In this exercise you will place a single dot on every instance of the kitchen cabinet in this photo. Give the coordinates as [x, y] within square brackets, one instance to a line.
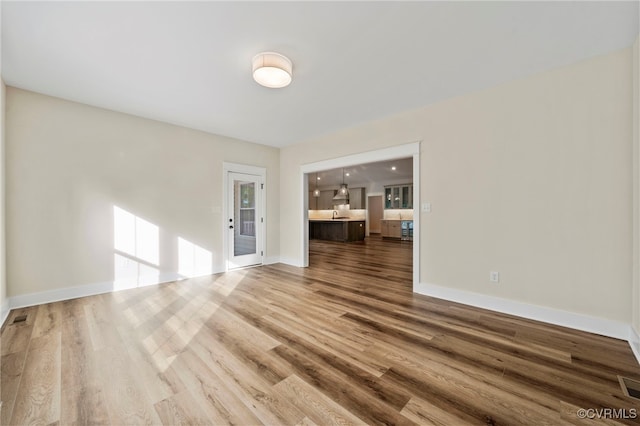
[357, 198]
[337, 230]
[323, 202]
[395, 228]
[391, 228]
[398, 196]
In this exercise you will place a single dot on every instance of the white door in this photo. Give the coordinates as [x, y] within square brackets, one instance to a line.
[245, 220]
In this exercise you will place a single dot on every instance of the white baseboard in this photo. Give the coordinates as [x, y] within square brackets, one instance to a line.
[39, 298]
[634, 342]
[270, 260]
[605, 327]
[4, 311]
[32, 299]
[291, 262]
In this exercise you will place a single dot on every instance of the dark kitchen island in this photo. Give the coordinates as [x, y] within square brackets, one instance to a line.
[345, 230]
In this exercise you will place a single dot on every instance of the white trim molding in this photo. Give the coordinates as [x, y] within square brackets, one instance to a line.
[68, 293]
[609, 328]
[270, 260]
[261, 172]
[590, 324]
[292, 262]
[390, 153]
[634, 342]
[4, 311]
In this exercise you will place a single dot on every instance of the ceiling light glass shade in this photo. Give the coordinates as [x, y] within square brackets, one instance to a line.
[316, 192]
[272, 70]
[342, 194]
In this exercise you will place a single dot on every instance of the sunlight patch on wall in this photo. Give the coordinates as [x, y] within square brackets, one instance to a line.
[136, 250]
[193, 260]
[135, 236]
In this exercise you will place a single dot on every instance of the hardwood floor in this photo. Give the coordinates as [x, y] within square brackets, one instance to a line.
[344, 341]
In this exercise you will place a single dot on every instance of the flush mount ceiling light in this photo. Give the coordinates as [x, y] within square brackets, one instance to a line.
[272, 70]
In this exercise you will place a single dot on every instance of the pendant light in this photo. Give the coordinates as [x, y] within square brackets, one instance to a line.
[316, 192]
[343, 192]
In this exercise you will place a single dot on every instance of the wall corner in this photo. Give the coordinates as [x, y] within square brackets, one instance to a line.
[635, 142]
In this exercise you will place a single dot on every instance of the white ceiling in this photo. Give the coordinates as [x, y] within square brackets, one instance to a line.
[364, 175]
[189, 63]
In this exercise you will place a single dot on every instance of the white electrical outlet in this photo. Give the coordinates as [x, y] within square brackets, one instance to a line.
[494, 277]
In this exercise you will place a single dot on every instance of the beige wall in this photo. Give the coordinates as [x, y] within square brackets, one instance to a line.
[69, 164]
[3, 274]
[531, 179]
[635, 299]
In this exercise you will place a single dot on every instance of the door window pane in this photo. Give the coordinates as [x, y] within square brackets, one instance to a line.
[247, 195]
[244, 241]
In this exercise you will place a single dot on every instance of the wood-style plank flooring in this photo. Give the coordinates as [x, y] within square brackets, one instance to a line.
[344, 341]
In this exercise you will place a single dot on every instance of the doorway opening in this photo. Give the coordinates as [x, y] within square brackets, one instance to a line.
[409, 211]
[375, 213]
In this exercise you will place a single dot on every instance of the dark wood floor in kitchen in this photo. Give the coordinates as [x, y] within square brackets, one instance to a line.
[343, 341]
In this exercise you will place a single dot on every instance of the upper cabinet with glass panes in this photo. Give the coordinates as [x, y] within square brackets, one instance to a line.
[398, 196]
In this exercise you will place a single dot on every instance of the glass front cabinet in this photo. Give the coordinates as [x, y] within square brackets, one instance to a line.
[398, 196]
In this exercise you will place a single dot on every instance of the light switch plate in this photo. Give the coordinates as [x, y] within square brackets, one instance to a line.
[426, 207]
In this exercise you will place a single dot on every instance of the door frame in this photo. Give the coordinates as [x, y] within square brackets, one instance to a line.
[247, 169]
[391, 153]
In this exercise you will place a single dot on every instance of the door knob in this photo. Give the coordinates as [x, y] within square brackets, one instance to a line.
[230, 226]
